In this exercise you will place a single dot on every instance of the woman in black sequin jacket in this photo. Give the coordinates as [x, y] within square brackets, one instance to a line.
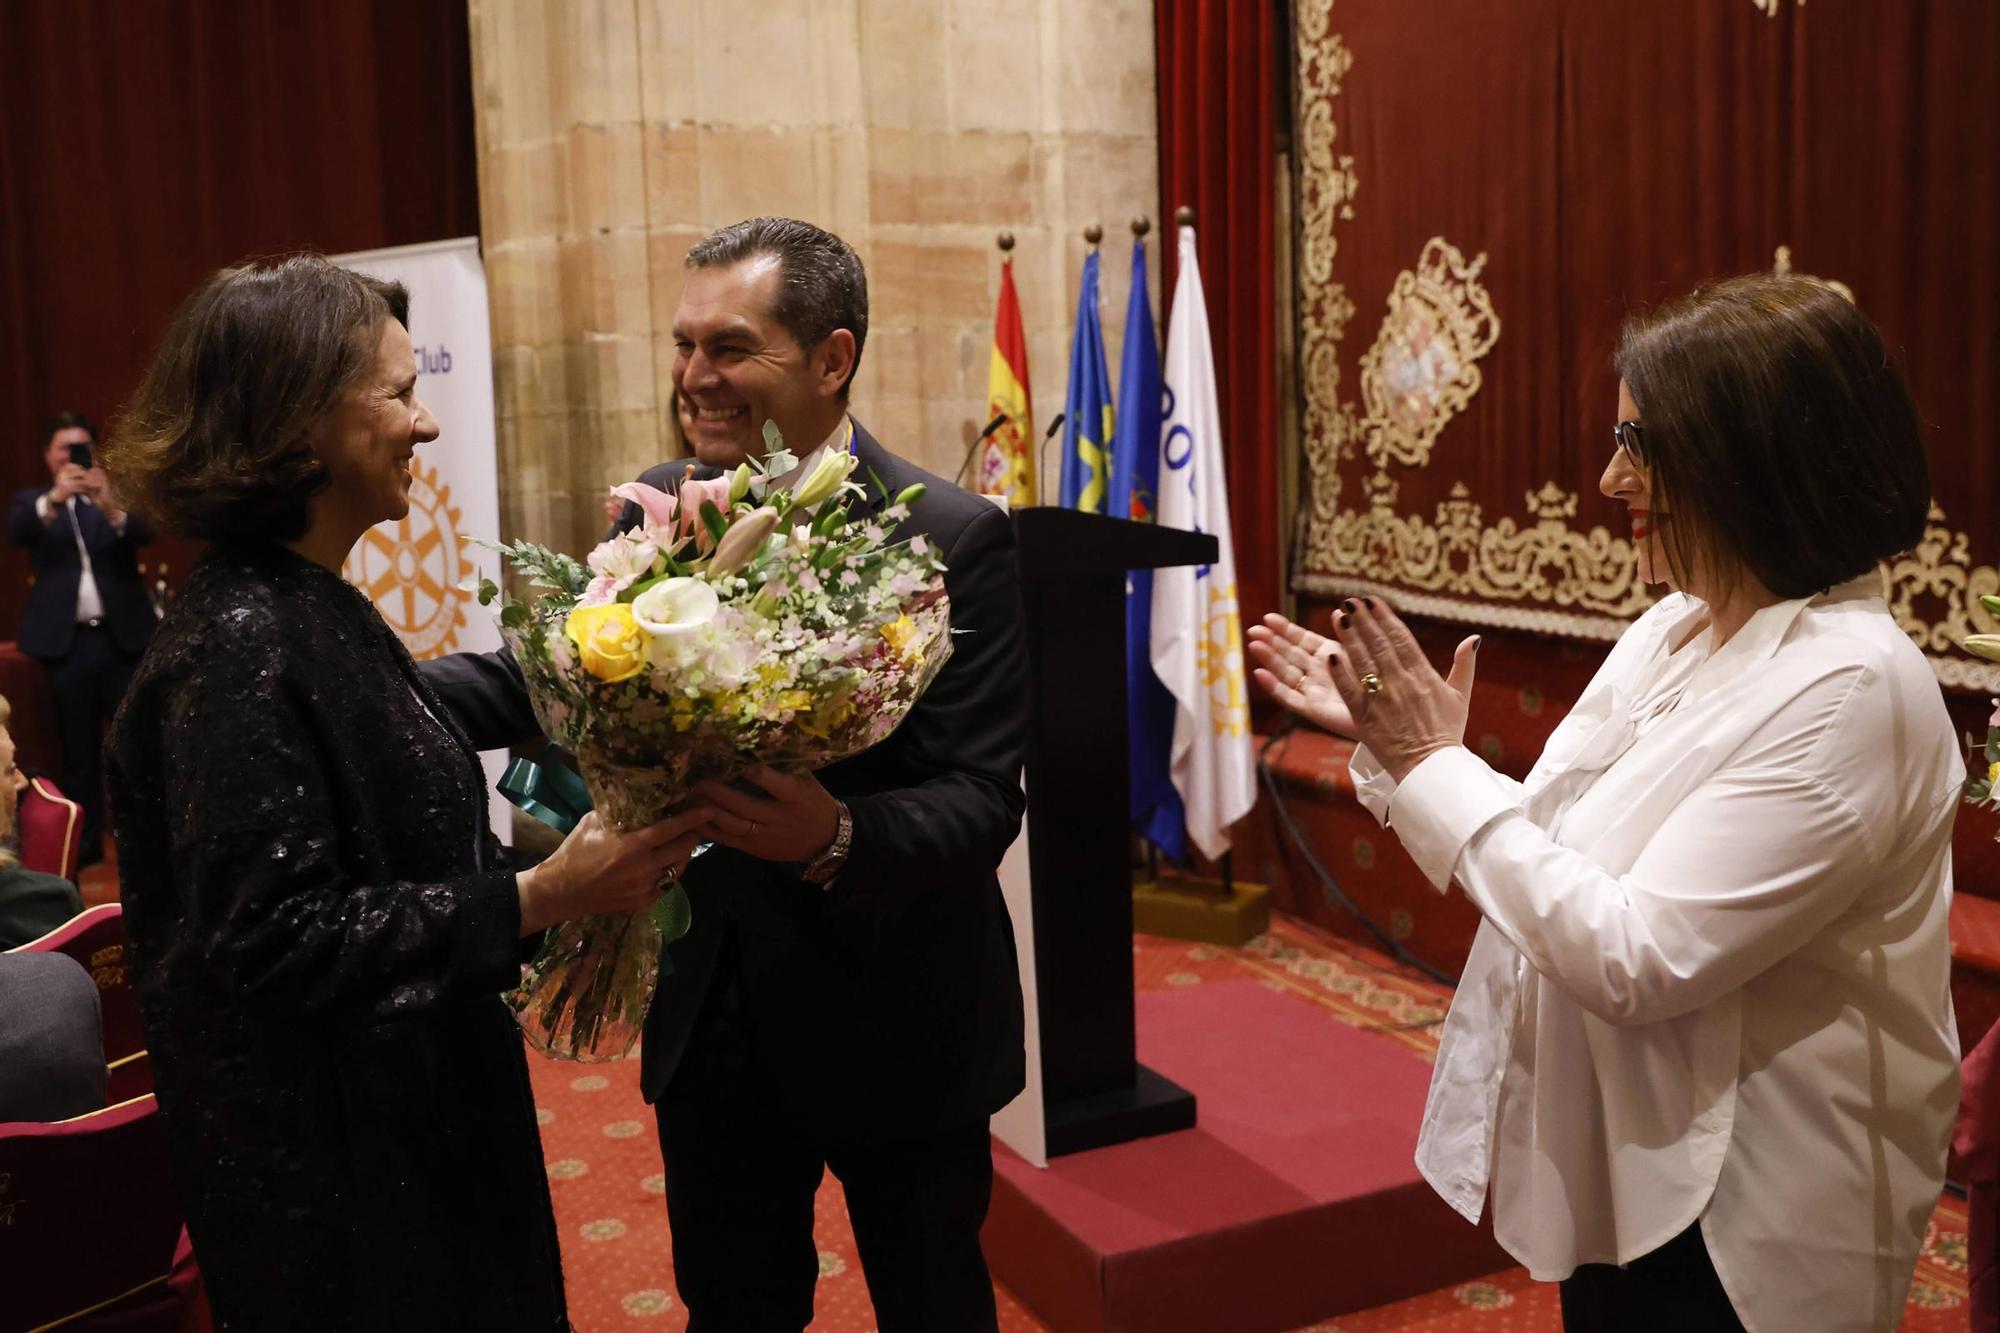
[320, 922]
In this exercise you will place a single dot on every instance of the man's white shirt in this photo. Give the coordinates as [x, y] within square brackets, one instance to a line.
[89, 602]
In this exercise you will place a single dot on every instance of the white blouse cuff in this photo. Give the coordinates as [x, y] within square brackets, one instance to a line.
[1443, 804]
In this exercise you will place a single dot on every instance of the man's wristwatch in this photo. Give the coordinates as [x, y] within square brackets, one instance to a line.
[822, 868]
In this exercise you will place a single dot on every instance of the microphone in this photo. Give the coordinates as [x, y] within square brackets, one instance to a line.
[973, 448]
[1042, 462]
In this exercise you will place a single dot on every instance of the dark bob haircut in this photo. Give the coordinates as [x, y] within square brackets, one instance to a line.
[1780, 437]
[218, 441]
[821, 286]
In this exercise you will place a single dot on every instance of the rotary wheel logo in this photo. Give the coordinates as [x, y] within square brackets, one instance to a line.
[411, 569]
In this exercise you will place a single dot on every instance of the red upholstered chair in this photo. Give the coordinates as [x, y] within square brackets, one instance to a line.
[95, 937]
[51, 829]
[90, 1227]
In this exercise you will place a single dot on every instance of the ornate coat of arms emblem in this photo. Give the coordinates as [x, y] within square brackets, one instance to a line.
[1420, 373]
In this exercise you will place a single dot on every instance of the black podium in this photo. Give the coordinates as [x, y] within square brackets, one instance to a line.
[1073, 565]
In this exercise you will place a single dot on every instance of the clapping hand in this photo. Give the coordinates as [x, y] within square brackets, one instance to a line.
[1292, 667]
[1385, 693]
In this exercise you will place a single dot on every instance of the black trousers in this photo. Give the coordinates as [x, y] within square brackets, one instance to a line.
[1672, 1290]
[740, 1183]
[86, 684]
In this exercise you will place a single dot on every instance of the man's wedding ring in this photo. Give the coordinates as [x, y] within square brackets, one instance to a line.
[1300, 681]
[1371, 683]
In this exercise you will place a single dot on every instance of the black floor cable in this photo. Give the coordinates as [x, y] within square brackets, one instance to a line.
[1330, 888]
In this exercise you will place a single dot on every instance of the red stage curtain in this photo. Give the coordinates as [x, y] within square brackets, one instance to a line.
[143, 145]
[1219, 85]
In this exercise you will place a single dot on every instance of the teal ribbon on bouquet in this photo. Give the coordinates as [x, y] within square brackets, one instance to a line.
[555, 794]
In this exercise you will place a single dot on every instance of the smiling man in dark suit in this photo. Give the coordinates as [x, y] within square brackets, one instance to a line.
[88, 615]
[847, 997]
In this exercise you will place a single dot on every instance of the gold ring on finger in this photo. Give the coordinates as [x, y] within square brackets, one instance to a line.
[1371, 683]
[1300, 681]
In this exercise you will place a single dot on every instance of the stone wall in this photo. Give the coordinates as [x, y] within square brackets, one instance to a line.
[614, 133]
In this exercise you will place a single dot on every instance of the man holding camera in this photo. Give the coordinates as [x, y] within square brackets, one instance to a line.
[88, 616]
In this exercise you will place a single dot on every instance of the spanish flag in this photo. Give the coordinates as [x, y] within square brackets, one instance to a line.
[1007, 458]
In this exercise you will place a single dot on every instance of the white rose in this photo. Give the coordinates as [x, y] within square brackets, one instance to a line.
[674, 614]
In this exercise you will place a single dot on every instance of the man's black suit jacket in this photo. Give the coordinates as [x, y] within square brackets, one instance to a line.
[48, 620]
[890, 1001]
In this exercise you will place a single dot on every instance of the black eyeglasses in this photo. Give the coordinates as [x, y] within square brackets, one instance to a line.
[1632, 440]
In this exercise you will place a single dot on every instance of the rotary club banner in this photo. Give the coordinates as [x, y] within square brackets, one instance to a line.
[418, 570]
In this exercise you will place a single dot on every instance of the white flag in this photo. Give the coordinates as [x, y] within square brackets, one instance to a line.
[1197, 648]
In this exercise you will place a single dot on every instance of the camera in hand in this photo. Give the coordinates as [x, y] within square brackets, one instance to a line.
[79, 456]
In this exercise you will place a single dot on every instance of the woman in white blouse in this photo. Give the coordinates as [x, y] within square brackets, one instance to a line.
[1702, 1059]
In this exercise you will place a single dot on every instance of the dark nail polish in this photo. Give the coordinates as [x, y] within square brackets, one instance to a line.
[1368, 602]
[1347, 605]
[1346, 620]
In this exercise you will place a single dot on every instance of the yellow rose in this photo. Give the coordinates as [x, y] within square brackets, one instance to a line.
[904, 640]
[1993, 777]
[608, 641]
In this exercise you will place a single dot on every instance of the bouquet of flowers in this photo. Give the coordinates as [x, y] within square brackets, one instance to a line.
[741, 622]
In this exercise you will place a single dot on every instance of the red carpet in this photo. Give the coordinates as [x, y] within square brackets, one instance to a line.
[1293, 1197]
[604, 1165]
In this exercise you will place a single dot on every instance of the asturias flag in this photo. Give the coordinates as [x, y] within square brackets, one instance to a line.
[1007, 459]
[1135, 477]
[1086, 464]
[1197, 634]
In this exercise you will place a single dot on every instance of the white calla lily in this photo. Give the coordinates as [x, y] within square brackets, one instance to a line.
[673, 612]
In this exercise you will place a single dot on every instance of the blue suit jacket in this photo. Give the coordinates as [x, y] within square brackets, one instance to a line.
[48, 621]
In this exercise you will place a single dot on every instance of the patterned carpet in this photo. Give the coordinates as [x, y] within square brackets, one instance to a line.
[604, 1169]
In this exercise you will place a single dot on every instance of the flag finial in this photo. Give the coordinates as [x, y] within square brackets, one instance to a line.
[1093, 234]
[1140, 226]
[1184, 216]
[1006, 242]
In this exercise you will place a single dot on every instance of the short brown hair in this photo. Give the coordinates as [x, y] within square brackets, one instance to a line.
[217, 442]
[821, 283]
[1779, 434]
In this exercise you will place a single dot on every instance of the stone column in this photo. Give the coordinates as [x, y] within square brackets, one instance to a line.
[613, 133]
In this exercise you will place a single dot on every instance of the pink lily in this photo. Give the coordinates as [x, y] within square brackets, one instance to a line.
[658, 504]
[716, 492]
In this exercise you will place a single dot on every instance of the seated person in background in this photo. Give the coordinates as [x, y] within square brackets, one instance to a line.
[31, 903]
[51, 1038]
[88, 616]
